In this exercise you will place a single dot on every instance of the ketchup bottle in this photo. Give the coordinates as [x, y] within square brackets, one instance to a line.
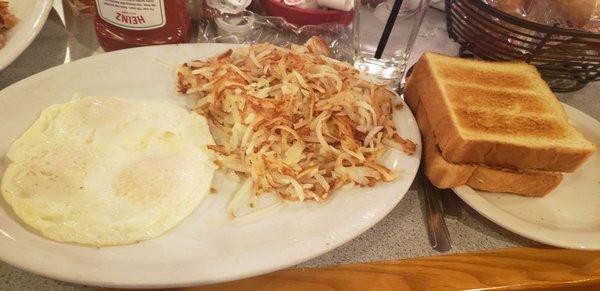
[123, 24]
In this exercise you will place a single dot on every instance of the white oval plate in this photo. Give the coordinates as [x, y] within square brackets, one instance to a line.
[208, 246]
[32, 15]
[567, 217]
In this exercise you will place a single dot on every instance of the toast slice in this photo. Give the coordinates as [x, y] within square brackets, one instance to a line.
[501, 114]
[444, 174]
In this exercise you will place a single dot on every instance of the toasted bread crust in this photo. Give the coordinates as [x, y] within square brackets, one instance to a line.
[441, 173]
[528, 183]
[506, 155]
[444, 174]
[459, 148]
[430, 94]
[411, 97]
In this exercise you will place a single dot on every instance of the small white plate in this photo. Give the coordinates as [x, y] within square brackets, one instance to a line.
[568, 217]
[32, 15]
[208, 246]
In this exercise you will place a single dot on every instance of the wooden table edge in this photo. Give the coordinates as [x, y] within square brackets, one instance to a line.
[504, 269]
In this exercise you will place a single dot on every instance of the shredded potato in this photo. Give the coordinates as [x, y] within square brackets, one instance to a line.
[7, 21]
[292, 121]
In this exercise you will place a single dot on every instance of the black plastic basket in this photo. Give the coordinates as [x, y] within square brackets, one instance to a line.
[568, 59]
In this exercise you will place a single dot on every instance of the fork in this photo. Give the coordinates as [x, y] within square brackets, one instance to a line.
[439, 238]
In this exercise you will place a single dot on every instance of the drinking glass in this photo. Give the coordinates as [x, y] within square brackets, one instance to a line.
[370, 19]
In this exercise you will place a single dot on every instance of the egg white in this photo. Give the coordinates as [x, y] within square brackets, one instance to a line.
[108, 171]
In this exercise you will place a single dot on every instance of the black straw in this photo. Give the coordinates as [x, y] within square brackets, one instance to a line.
[388, 28]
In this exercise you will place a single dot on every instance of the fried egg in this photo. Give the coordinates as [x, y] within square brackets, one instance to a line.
[108, 171]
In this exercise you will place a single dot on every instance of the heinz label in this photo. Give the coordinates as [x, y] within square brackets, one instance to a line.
[133, 14]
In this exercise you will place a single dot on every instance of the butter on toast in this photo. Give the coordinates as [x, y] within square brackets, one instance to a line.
[500, 114]
[444, 174]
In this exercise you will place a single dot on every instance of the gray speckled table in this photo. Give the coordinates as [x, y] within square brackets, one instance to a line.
[399, 235]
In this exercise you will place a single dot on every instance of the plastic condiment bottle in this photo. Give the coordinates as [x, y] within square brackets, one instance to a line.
[123, 24]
